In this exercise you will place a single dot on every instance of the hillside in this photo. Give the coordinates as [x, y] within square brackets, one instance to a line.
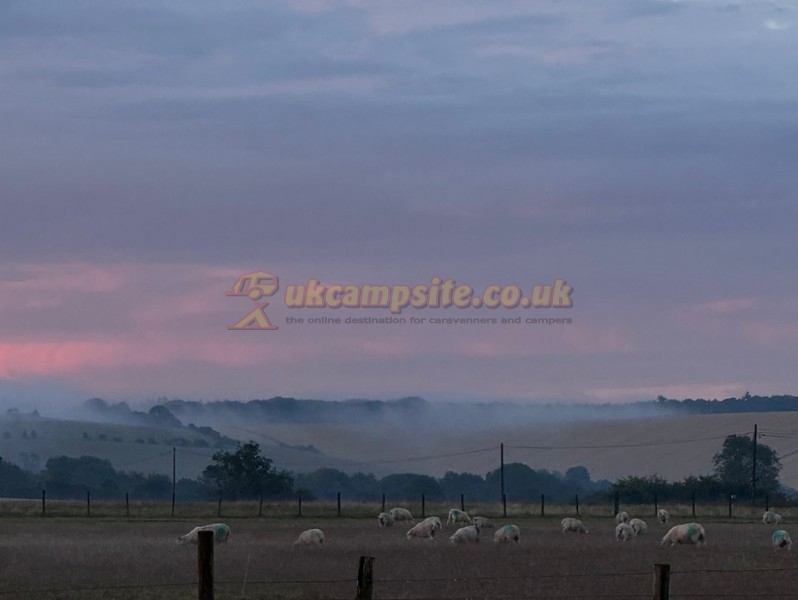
[681, 449]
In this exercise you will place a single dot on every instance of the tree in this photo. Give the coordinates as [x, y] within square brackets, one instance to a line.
[247, 474]
[733, 466]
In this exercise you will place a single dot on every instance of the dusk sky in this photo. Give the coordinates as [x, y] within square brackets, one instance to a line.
[644, 151]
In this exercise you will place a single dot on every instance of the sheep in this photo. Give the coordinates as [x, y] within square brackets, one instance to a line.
[465, 535]
[385, 519]
[690, 533]
[401, 514]
[622, 517]
[425, 529]
[311, 537]
[220, 534]
[663, 515]
[459, 516]
[781, 539]
[571, 524]
[435, 521]
[639, 525]
[483, 522]
[771, 518]
[624, 532]
[506, 534]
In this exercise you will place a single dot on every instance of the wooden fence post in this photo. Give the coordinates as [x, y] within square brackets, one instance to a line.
[299, 505]
[423, 506]
[260, 507]
[462, 502]
[88, 503]
[617, 507]
[339, 504]
[662, 582]
[576, 498]
[127, 505]
[43, 503]
[383, 502]
[542, 505]
[504, 504]
[694, 505]
[655, 504]
[365, 578]
[205, 564]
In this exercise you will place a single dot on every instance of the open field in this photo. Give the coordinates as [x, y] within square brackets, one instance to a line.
[45, 558]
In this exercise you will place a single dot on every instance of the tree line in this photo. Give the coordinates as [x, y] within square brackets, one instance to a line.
[245, 473]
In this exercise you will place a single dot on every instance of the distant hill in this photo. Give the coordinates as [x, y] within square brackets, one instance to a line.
[417, 410]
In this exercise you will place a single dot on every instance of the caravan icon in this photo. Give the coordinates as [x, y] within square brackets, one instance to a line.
[255, 285]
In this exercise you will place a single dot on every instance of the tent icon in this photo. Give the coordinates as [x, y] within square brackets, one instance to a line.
[255, 285]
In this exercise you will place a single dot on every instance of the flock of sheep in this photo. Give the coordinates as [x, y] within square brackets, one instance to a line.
[688, 533]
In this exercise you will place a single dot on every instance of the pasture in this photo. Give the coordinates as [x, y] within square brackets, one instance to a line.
[111, 557]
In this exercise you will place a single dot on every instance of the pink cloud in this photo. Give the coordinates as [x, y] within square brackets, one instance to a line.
[726, 306]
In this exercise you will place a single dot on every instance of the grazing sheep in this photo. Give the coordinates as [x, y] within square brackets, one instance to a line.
[663, 515]
[507, 534]
[311, 537]
[571, 524]
[483, 522]
[624, 532]
[771, 518]
[689, 533]
[639, 525]
[622, 517]
[781, 539]
[465, 535]
[435, 521]
[459, 516]
[425, 529]
[220, 534]
[385, 519]
[401, 514]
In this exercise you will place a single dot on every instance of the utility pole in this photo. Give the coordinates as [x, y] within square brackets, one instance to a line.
[504, 498]
[501, 459]
[753, 470]
[174, 479]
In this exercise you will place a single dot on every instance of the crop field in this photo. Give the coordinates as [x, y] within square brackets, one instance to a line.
[116, 558]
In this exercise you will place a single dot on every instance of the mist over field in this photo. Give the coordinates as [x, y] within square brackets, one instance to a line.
[408, 435]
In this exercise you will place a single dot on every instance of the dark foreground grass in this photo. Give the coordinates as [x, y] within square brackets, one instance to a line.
[119, 559]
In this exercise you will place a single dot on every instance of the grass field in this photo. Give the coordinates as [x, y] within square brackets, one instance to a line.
[116, 558]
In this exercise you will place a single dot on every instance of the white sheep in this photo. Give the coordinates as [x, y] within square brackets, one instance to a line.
[465, 535]
[771, 518]
[639, 525]
[624, 532]
[311, 537]
[781, 539]
[425, 530]
[435, 521]
[689, 533]
[385, 519]
[622, 517]
[401, 514]
[663, 515]
[220, 534]
[483, 522]
[459, 516]
[571, 524]
[506, 534]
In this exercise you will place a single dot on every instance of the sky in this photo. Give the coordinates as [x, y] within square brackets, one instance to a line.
[642, 150]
